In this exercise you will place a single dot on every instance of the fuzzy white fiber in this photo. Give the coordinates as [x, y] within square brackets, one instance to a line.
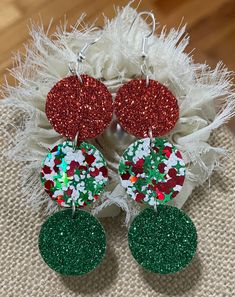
[116, 58]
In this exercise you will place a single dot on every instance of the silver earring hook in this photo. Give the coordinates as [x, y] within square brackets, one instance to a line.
[148, 13]
[151, 139]
[75, 142]
[73, 208]
[81, 55]
[144, 53]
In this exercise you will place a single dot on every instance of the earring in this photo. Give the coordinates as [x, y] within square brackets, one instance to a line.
[74, 173]
[79, 103]
[144, 104]
[162, 239]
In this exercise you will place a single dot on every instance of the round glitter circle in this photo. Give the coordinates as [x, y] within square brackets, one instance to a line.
[72, 245]
[163, 241]
[140, 108]
[79, 107]
[152, 175]
[74, 176]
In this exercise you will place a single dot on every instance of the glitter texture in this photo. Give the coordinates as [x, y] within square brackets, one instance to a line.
[163, 241]
[72, 246]
[74, 175]
[140, 108]
[73, 107]
[152, 176]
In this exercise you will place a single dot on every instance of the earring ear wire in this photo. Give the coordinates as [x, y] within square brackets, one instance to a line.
[144, 53]
[81, 55]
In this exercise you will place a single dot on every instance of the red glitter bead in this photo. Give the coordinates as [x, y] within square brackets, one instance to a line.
[85, 108]
[140, 108]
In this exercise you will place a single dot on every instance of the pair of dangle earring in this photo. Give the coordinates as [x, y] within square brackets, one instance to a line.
[162, 238]
[79, 107]
[74, 174]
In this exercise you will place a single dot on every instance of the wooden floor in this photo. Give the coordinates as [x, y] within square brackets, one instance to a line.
[211, 23]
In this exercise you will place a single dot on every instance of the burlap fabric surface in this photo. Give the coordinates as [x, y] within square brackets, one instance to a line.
[211, 273]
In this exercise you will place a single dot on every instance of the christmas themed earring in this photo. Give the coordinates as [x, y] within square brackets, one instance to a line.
[74, 173]
[79, 103]
[162, 239]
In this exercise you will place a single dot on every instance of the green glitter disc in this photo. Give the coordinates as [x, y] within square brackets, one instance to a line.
[72, 246]
[163, 241]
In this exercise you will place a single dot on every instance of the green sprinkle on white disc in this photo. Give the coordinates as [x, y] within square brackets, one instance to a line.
[74, 175]
[152, 175]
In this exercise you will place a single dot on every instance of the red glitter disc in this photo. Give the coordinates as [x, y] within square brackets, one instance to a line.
[79, 107]
[140, 108]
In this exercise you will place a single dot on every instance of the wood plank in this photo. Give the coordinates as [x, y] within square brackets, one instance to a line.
[9, 14]
[17, 44]
[192, 11]
[210, 30]
[225, 48]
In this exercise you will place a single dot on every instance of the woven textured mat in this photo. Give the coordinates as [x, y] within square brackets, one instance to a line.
[211, 273]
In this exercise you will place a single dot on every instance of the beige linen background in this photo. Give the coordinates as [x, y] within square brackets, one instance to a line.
[211, 273]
